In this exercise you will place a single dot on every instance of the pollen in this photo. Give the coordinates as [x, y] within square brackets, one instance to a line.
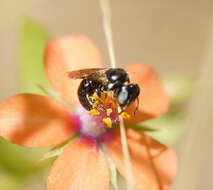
[95, 96]
[125, 115]
[107, 121]
[104, 106]
[94, 112]
[104, 95]
[96, 99]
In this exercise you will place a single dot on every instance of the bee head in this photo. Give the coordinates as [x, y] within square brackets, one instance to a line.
[127, 94]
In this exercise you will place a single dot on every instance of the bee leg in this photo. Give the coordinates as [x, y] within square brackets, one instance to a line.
[137, 106]
[120, 112]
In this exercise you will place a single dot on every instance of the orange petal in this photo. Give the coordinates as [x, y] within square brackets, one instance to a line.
[34, 121]
[154, 101]
[81, 166]
[153, 164]
[67, 54]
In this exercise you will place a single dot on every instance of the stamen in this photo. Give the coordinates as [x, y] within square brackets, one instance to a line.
[104, 95]
[95, 96]
[95, 99]
[107, 121]
[94, 112]
[125, 115]
[104, 106]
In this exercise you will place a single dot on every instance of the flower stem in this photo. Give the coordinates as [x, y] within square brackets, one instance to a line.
[106, 12]
[127, 161]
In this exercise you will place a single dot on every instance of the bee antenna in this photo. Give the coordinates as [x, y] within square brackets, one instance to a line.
[137, 106]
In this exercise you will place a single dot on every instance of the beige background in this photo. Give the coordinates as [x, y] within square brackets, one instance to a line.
[169, 34]
[172, 35]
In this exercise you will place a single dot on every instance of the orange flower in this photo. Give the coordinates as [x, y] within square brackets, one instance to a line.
[37, 121]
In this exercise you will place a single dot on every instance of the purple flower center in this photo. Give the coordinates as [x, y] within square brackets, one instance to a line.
[93, 125]
[100, 120]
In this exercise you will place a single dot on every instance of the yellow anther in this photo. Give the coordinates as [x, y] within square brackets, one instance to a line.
[108, 122]
[104, 95]
[96, 103]
[125, 115]
[109, 111]
[95, 96]
[94, 112]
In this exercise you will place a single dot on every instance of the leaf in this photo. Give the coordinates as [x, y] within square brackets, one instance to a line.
[169, 129]
[141, 127]
[32, 40]
[16, 160]
[166, 129]
[179, 87]
[9, 183]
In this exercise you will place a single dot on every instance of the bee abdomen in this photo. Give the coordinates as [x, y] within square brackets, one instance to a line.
[86, 88]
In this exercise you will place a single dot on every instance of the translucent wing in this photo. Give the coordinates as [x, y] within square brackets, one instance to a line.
[83, 73]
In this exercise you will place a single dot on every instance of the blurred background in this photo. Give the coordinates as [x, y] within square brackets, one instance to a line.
[174, 36]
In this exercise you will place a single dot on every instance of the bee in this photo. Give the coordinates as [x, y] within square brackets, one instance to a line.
[113, 80]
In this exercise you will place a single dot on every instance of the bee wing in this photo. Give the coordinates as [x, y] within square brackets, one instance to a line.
[83, 73]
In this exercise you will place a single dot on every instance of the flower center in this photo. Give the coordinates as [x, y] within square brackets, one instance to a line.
[103, 117]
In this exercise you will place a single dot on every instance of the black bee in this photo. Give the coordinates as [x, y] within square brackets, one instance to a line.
[115, 80]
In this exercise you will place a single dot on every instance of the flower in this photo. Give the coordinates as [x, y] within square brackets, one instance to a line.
[37, 121]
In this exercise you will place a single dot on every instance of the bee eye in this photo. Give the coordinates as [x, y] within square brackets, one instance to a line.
[117, 75]
[127, 94]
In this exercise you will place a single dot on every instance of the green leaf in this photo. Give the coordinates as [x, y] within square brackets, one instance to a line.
[17, 161]
[166, 129]
[169, 129]
[32, 40]
[9, 183]
[179, 87]
[141, 127]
